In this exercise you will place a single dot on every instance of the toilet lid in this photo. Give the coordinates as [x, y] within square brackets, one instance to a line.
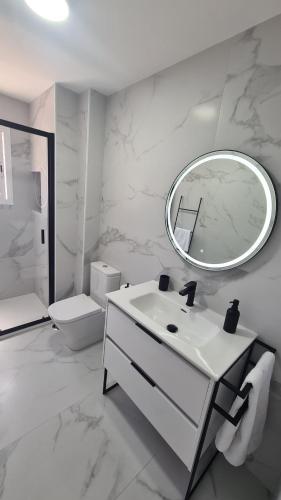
[74, 308]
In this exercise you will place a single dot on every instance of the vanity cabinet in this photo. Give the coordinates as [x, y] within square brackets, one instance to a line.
[172, 394]
[166, 417]
[185, 385]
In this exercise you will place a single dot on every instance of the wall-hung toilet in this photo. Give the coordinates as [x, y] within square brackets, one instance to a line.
[81, 318]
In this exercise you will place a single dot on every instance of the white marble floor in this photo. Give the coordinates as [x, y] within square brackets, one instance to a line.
[60, 439]
[20, 310]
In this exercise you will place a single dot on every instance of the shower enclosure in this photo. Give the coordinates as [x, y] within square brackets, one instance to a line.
[27, 269]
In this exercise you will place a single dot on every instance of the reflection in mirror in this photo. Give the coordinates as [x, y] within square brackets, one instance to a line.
[220, 210]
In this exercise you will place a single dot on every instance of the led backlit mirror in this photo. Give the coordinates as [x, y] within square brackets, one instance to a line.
[220, 210]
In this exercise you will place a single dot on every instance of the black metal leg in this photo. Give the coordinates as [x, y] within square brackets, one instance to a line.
[193, 481]
[192, 485]
[106, 389]
[191, 488]
[104, 381]
[247, 361]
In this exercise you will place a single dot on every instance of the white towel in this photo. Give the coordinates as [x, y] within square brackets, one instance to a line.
[183, 237]
[237, 442]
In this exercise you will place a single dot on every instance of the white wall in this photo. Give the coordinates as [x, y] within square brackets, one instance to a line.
[14, 110]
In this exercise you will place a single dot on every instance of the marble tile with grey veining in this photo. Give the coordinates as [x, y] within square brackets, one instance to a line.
[165, 478]
[67, 175]
[250, 122]
[39, 377]
[97, 106]
[80, 444]
[146, 147]
[83, 121]
[79, 153]
[17, 261]
[90, 450]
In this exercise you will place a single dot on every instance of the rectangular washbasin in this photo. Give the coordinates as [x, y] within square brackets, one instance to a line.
[192, 326]
[200, 338]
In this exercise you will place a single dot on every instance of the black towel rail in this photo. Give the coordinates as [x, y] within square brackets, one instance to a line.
[242, 393]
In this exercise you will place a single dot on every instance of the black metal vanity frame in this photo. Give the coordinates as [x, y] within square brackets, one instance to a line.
[50, 137]
[234, 420]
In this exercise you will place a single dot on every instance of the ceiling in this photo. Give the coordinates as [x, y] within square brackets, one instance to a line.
[109, 44]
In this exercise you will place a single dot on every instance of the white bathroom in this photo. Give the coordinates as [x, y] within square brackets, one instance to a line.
[140, 249]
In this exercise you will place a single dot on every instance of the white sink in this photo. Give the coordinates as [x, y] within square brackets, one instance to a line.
[200, 337]
[192, 327]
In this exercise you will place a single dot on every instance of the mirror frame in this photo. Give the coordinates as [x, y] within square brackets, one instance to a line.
[271, 201]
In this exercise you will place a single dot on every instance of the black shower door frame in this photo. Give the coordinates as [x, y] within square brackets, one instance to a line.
[51, 215]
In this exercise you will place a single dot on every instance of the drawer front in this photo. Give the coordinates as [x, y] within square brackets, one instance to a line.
[168, 420]
[183, 383]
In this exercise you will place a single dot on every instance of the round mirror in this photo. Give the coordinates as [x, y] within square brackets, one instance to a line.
[220, 210]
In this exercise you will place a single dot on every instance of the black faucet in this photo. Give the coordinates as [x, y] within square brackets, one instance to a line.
[189, 289]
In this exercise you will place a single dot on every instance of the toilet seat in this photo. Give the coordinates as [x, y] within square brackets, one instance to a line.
[74, 309]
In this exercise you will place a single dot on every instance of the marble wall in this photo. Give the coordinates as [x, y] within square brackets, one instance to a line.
[66, 113]
[27, 268]
[55, 111]
[17, 269]
[78, 123]
[84, 110]
[226, 97]
[93, 182]
[79, 155]
[67, 175]
[41, 116]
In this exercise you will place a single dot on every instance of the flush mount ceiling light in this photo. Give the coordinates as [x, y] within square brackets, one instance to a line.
[52, 10]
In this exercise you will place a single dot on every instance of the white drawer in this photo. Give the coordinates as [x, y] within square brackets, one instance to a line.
[182, 382]
[169, 421]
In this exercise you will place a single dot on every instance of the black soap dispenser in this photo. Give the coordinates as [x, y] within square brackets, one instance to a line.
[232, 317]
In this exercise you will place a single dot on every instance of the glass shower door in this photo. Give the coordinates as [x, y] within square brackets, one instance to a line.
[26, 279]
